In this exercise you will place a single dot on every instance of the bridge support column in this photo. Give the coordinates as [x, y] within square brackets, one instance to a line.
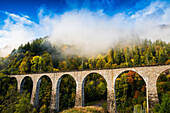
[152, 96]
[111, 104]
[19, 85]
[35, 95]
[79, 101]
[53, 107]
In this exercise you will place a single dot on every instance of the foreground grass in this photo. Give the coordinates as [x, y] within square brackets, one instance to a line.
[100, 103]
[87, 109]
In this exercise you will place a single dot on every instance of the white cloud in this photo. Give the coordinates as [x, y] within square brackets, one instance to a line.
[14, 33]
[90, 32]
[21, 19]
[153, 7]
[166, 16]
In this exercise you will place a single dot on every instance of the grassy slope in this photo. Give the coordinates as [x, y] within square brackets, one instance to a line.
[87, 109]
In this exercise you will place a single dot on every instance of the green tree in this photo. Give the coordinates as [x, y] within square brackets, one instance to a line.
[136, 56]
[47, 65]
[101, 88]
[45, 92]
[164, 107]
[117, 56]
[100, 63]
[24, 67]
[34, 110]
[130, 90]
[67, 92]
[162, 56]
[8, 104]
[37, 62]
[43, 109]
[24, 105]
[62, 66]
[95, 88]
[91, 63]
[73, 63]
[110, 57]
[127, 54]
[107, 65]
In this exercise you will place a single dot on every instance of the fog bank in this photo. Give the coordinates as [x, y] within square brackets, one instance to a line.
[89, 32]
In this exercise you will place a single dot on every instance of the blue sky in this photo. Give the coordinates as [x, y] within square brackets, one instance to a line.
[31, 8]
[81, 21]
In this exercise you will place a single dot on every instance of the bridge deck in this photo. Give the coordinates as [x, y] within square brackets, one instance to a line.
[127, 67]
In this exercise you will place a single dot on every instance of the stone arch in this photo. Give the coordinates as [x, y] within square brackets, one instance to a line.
[138, 72]
[23, 83]
[166, 71]
[163, 70]
[58, 89]
[36, 101]
[102, 73]
[143, 78]
[83, 83]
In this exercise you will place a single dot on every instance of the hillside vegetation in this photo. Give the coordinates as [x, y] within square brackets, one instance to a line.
[41, 56]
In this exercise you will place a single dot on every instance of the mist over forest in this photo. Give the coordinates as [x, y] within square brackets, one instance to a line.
[68, 57]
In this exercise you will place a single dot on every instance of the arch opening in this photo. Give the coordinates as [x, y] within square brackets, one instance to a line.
[43, 94]
[26, 85]
[94, 91]
[163, 84]
[130, 93]
[66, 92]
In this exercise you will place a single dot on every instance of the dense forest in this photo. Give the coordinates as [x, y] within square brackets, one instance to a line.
[41, 56]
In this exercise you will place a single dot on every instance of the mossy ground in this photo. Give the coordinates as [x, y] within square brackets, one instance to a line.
[87, 109]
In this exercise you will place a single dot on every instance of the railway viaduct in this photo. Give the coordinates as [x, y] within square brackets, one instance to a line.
[149, 74]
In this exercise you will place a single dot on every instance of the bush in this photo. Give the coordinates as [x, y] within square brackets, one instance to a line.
[164, 107]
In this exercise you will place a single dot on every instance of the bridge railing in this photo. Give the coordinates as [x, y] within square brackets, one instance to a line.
[95, 69]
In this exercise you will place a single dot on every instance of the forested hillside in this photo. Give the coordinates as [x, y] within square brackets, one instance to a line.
[41, 56]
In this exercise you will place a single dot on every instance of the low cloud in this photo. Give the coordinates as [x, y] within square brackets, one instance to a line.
[89, 32]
